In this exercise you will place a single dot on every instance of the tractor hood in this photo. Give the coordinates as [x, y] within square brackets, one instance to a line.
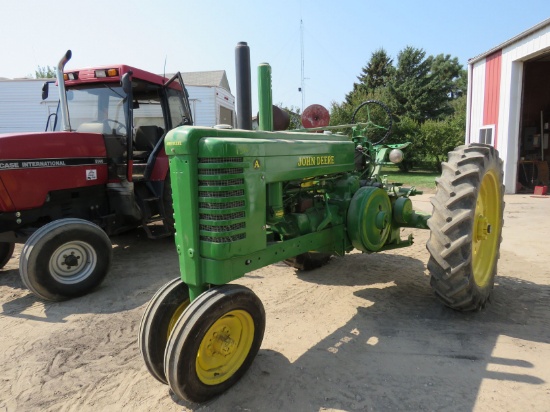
[16, 146]
[33, 165]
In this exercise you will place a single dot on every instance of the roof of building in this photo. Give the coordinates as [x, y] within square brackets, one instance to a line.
[216, 78]
[513, 40]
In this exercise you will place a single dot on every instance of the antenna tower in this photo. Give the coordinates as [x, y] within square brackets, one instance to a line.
[303, 88]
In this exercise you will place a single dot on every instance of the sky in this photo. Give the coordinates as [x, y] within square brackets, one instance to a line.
[338, 37]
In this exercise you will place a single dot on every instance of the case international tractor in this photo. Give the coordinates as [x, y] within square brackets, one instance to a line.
[245, 199]
[102, 171]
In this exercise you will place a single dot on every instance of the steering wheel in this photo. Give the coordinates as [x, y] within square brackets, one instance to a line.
[119, 126]
[377, 113]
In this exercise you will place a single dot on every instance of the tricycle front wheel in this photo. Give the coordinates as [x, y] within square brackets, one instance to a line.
[157, 323]
[214, 342]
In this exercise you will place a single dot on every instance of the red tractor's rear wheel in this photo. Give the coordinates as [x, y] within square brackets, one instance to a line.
[466, 227]
[214, 342]
[157, 323]
[65, 258]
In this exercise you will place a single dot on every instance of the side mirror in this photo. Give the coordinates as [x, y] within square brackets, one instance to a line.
[45, 90]
[127, 82]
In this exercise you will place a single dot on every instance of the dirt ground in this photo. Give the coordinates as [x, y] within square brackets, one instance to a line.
[362, 333]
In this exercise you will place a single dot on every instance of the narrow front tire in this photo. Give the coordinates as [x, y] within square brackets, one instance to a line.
[214, 342]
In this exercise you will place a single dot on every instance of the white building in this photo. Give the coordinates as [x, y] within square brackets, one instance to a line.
[210, 98]
[23, 110]
[21, 105]
[509, 105]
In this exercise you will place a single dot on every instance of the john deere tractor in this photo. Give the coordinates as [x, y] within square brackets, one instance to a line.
[245, 199]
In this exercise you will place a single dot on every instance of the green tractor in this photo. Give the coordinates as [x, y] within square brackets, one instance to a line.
[246, 199]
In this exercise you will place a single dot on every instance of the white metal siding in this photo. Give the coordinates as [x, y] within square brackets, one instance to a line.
[22, 108]
[477, 99]
[513, 56]
[203, 104]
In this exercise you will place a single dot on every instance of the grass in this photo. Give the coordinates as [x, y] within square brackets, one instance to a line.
[422, 179]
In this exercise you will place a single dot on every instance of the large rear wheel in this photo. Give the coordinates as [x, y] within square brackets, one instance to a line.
[466, 227]
[65, 258]
[157, 323]
[214, 342]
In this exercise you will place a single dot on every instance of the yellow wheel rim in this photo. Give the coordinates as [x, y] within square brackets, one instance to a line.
[175, 316]
[225, 347]
[486, 230]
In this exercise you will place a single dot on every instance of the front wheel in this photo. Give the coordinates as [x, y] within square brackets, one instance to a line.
[214, 342]
[157, 323]
[466, 227]
[65, 258]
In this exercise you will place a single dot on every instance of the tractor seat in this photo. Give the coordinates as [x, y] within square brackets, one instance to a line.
[147, 137]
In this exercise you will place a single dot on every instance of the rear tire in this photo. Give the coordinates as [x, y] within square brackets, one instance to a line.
[6, 252]
[65, 258]
[308, 261]
[466, 227]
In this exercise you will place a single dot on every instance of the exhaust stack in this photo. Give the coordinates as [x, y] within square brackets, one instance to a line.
[62, 95]
[244, 93]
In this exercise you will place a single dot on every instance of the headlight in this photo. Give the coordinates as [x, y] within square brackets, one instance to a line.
[396, 156]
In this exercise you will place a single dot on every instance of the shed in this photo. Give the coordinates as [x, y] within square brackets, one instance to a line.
[210, 97]
[509, 105]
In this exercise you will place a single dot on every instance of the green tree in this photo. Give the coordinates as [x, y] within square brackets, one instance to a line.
[450, 75]
[438, 138]
[45, 72]
[411, 86]
[419, 89]
[374, 75]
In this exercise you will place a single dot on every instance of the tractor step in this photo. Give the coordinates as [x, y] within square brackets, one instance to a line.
[154, 231]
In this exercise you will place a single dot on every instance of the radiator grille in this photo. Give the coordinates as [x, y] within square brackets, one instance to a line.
[225, 171]
[223, 212]
[226, 228]
[220, 159]
[228, 182]
[216, 206]
[224, 239]
[206, 216]
[225, 194]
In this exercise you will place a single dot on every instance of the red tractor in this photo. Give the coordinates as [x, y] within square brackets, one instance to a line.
[101, 171]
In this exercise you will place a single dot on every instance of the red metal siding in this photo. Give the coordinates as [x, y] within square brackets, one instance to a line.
[492, 91]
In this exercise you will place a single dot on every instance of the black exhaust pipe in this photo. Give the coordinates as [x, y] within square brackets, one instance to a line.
[244, 88]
